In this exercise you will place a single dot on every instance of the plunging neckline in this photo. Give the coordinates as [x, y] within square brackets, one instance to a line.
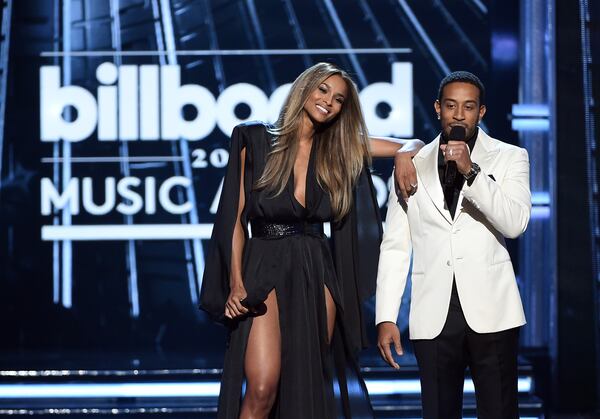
[308, 171]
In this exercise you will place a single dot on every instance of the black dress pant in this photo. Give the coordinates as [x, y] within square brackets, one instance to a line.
[491, 357]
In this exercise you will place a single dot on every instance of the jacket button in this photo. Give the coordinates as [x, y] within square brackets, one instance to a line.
[448, 263]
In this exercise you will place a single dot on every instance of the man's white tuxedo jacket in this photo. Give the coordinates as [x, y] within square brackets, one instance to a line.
[470, 247]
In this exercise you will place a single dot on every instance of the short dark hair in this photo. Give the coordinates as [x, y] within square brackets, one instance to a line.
[463, 77]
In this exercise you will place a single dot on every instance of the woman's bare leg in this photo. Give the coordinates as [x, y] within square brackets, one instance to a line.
[263, 362]
[330, 306]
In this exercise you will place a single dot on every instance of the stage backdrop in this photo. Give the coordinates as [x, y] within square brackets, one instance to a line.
[117, 119]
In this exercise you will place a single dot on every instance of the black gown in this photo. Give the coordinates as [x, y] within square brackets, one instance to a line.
[297, 267]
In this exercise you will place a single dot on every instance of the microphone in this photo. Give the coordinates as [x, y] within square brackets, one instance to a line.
[457, 133]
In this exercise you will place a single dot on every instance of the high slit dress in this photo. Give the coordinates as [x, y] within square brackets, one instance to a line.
[298, 267]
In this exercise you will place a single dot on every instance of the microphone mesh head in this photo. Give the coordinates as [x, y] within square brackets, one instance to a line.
[457, 133]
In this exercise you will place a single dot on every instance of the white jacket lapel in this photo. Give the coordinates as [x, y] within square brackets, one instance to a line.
[426, 163]
[483, 154]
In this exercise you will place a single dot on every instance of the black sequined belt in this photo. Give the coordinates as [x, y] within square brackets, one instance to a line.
[263, 229]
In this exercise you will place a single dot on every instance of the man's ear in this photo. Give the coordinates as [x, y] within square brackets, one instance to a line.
[482, 110]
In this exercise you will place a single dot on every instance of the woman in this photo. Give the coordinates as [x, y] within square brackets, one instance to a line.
[292, 301]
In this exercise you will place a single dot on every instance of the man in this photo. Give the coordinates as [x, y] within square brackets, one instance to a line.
[465, 305]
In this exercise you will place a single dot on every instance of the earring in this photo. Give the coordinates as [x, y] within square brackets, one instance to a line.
[438, 116]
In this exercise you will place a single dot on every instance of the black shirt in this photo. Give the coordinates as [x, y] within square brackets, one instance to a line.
[452, 193]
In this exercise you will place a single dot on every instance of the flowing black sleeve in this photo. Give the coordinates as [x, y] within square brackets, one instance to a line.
[356, 242]
[215, 281]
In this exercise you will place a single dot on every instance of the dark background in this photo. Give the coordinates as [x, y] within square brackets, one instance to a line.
[557, 261]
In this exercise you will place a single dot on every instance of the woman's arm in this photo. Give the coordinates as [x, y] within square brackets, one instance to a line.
[402, 151]
[233, 306]
[389, 146]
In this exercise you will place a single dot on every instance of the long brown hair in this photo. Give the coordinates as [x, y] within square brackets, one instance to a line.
[342, 146]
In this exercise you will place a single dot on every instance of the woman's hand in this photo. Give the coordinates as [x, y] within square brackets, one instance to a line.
[233, 306]
[405, 174]
[403, 151]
